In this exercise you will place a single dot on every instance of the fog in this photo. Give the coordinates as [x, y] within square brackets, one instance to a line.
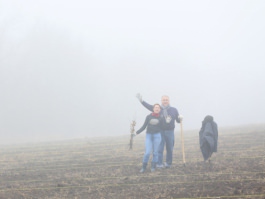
[71, 69]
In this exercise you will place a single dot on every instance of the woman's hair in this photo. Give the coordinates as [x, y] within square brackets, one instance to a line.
[157, 105]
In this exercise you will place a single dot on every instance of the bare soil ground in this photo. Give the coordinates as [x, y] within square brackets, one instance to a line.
[105, 168]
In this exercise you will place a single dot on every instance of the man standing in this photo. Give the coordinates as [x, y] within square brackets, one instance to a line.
[170, 115]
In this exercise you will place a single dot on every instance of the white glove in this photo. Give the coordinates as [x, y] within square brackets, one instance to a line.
[180, 117]
[139, 97]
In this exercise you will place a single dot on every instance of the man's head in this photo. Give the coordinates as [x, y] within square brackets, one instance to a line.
[165, 100]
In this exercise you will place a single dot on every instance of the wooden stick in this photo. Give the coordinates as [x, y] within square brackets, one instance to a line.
[132, 134]
[182, 142]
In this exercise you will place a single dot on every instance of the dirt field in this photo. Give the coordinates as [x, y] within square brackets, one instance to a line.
[105, 168]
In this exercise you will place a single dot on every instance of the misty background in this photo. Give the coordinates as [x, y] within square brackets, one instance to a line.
[71, 69]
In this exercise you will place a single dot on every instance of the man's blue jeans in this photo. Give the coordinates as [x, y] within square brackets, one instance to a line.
[168, 139]
[152, 142]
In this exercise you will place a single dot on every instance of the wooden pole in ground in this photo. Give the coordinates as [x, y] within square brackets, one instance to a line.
[132, 134]
[182, 142]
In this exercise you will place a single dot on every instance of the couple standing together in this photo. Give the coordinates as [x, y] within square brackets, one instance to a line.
[160, 132]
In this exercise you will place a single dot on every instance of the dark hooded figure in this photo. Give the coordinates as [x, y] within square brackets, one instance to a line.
[208, 137]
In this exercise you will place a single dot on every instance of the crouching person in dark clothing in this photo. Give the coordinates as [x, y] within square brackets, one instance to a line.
[153, 123]
[208, 137]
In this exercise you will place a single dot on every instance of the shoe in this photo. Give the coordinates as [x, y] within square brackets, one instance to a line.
[167, 165]
[143, 168]
[160, 166]
[153, 166]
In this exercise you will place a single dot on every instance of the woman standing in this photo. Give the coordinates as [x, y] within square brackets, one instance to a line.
[153, 122]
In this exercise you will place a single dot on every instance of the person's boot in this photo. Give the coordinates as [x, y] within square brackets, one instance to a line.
[153, 166]
[168, 166]
[143, 168]
[160, 166]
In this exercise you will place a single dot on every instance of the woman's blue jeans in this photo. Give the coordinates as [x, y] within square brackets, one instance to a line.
[152, 142]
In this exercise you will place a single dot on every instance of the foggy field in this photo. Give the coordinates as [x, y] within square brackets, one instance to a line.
[69, 75]
[105, 168]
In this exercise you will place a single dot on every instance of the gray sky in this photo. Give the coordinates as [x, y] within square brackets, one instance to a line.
[72, 68]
